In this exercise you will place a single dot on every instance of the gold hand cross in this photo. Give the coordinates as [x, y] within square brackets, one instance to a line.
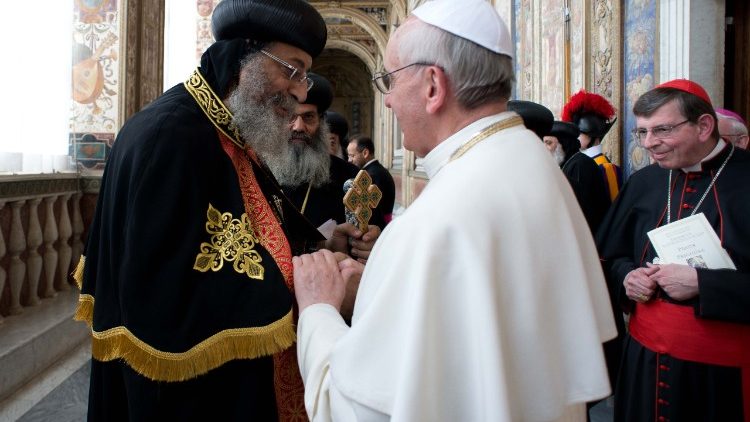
[360, 199]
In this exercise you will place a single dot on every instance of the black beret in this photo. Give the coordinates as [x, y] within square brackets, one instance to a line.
[536, 117]
[337, 123]
[321, 93]
[564, 130]
[294, 22]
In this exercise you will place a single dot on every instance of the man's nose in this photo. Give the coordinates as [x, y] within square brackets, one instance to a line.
[298, 91]
[298, 125]
[649, 140]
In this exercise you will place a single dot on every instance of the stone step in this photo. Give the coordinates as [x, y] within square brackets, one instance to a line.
[36, 341]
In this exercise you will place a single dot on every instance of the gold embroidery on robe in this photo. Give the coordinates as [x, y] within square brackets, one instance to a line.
[212, 106]
[232, 240]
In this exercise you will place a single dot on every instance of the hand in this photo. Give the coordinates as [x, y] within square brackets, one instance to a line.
[346, 234]
[638, 284]
[339, 241]
[317, 279]
[351, 270]
[361, 247]
[678, 281]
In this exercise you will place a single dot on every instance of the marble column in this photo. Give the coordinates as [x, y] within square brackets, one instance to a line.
[50, 253]
[16, 245]
[63, 248]
[77, 228]
[33, 259]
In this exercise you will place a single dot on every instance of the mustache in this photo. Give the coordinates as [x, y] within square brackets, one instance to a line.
[300, 136]
[285, 102]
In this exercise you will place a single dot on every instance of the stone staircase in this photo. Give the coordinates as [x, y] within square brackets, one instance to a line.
[39, 349]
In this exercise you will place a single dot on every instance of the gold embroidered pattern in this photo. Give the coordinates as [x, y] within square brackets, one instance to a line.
[232, 240]
[212, 106]
[268, 231]
[157, 365]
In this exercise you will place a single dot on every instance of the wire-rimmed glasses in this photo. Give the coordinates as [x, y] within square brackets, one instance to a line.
[293, 70]
[384, 80]
[659, 132]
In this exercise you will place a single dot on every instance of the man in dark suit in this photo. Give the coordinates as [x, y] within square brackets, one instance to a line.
[361, 152]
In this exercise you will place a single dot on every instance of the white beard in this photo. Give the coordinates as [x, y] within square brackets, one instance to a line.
[254, 115]
[559, 154]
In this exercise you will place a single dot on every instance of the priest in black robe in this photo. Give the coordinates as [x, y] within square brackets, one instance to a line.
[187, 277]
[687, 353]
[315, 184]
[582, 172]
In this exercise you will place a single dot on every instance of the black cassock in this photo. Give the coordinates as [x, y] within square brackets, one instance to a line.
[588, 186]
[656, 386]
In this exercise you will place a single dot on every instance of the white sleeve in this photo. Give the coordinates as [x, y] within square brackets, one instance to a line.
[319, 328]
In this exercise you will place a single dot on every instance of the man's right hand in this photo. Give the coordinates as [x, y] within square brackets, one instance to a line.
[351, 271]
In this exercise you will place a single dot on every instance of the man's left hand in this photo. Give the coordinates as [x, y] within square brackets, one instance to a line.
[678, 281]
[347, 234]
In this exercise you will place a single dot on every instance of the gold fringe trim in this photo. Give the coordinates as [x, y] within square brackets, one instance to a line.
[157, 365]
[78, 273]
[85, 309]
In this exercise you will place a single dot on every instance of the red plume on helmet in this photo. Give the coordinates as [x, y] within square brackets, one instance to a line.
[592, 113]
[587, 102]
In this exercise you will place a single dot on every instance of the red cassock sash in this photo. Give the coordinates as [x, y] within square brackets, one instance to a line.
[674, 330]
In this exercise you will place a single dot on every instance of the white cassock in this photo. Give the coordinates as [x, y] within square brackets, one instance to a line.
[484, 301]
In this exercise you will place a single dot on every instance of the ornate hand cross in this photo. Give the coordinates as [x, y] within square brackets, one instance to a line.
[360, 199]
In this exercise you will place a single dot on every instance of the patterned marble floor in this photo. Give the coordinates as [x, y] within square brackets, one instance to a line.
[67, 402]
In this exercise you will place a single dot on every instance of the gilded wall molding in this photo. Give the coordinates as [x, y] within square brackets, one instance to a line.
[605, 70]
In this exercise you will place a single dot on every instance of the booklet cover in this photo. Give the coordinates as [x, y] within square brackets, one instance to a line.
[691, 241]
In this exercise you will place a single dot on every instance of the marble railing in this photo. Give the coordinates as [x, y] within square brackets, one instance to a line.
[41, 235]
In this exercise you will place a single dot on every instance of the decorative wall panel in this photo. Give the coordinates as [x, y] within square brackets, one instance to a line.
[638, 73]
[95, 80]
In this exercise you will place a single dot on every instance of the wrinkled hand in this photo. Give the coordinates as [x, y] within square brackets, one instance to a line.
[346, 234]
[351, 271]
[638, 284]
[678, 281]
[317, 279]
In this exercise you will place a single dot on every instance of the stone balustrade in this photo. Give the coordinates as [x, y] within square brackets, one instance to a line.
[41, 235]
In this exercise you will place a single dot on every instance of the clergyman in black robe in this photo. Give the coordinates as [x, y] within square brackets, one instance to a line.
[687, 353]
[582, 173]
[186, 281]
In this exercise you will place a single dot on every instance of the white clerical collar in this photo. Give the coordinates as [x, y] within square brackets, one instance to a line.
[441, 154]
[369, 162]
[593, 151]
[714, 152]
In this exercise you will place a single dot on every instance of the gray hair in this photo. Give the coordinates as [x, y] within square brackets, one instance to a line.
[737, 127]
[478, 75]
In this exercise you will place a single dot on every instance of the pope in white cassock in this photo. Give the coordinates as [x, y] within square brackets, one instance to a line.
[485, 300]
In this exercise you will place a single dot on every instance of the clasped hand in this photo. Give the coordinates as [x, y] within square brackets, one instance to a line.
[327, 277]
[680, 282]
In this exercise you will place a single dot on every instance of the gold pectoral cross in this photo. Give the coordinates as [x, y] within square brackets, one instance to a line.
[360, 199]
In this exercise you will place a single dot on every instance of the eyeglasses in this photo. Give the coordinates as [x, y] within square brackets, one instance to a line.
[659, 132]
[384, 80]
[302, 76]
[308, 118]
